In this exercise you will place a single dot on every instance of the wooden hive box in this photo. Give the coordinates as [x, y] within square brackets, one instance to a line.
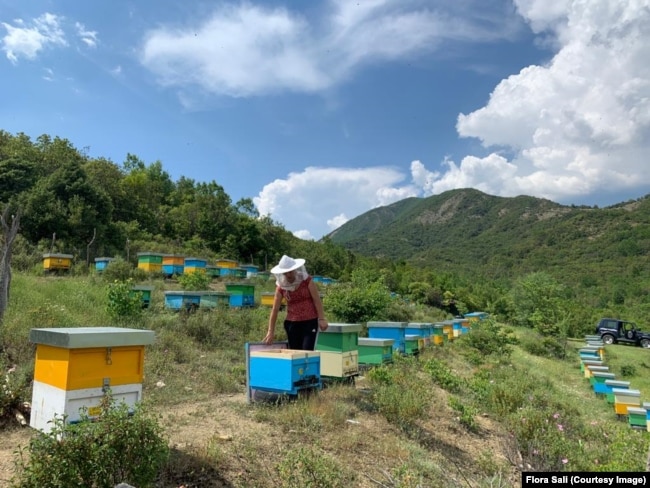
[412, 344]
[422, 329]
[599, 386]
[339, 338]
[624, 398]
[57, 262]
[389, 330]
[637, 417]
[609, 388]
[339, 364]
[285, 371]
[151, 262]
[375, 351]
[76, 367]
[182, 300]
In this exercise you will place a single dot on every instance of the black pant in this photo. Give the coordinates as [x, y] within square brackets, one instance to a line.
[301, 334]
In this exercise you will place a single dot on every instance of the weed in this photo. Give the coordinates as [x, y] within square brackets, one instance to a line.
[309, 467]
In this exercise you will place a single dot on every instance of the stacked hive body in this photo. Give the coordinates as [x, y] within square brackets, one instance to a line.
[412, 344]
[339, 351]
[241, 294]
[251, 270]
[53, 262]
[195, 265]
[173, 264]
[438, 337]
[150, 262]
[75, 368]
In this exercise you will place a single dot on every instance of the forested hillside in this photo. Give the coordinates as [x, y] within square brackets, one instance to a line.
[90, 207]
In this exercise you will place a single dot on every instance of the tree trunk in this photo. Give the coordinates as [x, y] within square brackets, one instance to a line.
[9, 233]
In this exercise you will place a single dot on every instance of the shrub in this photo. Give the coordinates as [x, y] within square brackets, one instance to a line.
[194, 281]
[118, 446]
[123, 303]
[306, 467]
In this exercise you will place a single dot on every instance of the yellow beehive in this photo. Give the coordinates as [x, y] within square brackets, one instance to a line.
[226, 263]
[75, 368]
[57, 262]
[624, 398]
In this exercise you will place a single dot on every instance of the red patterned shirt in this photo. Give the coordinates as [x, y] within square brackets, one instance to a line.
[300, 305]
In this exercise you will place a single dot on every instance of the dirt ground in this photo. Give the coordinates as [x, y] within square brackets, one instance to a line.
[226, 424]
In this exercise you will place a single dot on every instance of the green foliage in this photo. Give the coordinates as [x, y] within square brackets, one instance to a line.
[467, 413]
[488, 338]
[194, 281]
[547, 347]
[539, 302]
[442, 375]
[628, 370]
[363, 299]
[118, 446]
[397, 392]
[120, 270]
[124, 304]
[308, 467]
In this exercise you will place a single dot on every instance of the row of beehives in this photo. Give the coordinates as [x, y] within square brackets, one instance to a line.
[169, 265]
[626, 401]
[340, 353]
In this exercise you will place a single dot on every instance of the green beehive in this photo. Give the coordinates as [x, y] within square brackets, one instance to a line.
[339, 338]
[411, 344]
[145, 294]
[375, 351]
[636, 417]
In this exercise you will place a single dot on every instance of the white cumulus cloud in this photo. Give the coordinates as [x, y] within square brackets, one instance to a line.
[319, 199]
[579, 124]
[252, 49]
[27, 39]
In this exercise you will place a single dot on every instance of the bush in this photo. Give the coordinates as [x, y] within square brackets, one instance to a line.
[123, 303]
[194, 281]
[118, 446]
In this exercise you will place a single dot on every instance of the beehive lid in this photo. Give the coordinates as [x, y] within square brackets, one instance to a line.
[598, 374]
[142, 288]
[592, 362]
[391, 325]
[368, 341]
[626, 392]
[213, 293]
[184, 293]
[646, 405]
[412, 337]
[419, 325]
[636, 410]
[599, 369]
[615, 383]
[342, 328]
[54, 255]
[589, 349]
[438, 326]
[82, 337]
[104, 259]
[287, 354]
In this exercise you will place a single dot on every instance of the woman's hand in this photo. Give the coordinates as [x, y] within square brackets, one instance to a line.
[268, 338]
[322, 324]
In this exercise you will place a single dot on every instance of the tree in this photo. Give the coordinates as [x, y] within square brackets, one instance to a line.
[10, 225]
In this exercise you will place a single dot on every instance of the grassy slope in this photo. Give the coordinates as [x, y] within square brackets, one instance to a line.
[411, 431]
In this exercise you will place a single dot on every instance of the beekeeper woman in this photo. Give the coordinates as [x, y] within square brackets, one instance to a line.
[305, 315]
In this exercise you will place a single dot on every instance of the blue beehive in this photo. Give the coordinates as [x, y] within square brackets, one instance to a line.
[101, 263]
[284, 370]
[421, 329]
[389, 330]
[182, 300]
[599, 386]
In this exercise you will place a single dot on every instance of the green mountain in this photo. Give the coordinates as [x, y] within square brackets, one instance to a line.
[467, 230]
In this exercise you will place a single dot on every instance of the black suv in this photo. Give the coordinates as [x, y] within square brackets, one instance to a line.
[612, 331]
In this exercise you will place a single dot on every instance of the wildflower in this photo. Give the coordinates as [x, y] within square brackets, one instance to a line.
[565, 460]
[560, 427]
[556, 415]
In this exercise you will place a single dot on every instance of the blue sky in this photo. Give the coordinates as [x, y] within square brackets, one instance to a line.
[320, 111]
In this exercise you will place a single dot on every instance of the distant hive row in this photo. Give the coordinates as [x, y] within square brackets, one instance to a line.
[626, 401]
[169, 265]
